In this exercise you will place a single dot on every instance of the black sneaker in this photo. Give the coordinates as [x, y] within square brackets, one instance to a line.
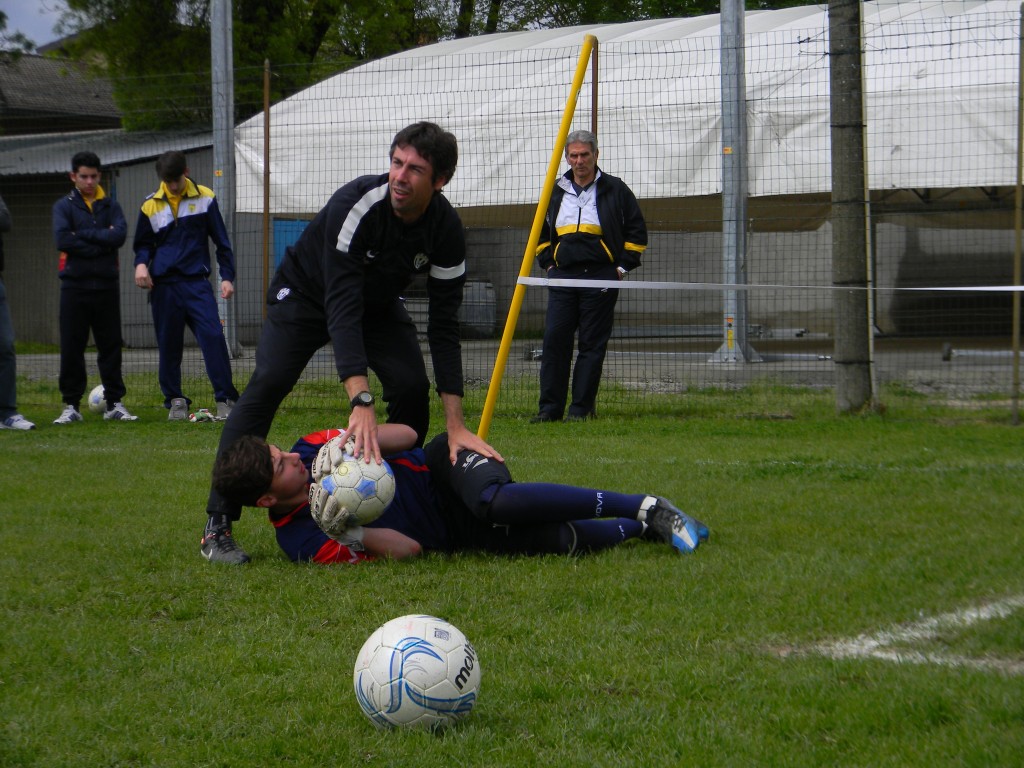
[219, 546]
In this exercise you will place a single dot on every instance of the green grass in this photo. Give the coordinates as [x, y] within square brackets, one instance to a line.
[120, 646]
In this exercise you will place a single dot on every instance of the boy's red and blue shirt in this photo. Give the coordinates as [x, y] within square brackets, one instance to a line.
[412, 512]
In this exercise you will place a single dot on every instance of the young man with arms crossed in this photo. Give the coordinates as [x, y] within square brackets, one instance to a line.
[88, 229]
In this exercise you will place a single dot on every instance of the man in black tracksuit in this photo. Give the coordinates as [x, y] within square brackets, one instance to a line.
[342, 283]
[593, 230]
[88, 229]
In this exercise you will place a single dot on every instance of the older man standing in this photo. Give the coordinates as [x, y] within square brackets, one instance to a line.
[593, 230]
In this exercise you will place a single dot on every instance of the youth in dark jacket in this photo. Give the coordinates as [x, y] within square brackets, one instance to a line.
[593, 230]
[88, 229]
[172, 260]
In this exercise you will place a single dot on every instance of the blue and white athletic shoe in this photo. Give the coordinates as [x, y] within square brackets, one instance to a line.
[673, 527]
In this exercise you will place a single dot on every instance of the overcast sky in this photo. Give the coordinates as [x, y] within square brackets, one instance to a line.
[33, 18]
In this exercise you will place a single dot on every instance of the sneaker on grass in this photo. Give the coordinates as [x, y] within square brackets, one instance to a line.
[178, 410]
[119, 413]
[17, 421]
[671, 525]
[69, 415]
[219, 546]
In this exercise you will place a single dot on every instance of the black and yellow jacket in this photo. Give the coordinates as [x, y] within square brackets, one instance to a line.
[619, 238]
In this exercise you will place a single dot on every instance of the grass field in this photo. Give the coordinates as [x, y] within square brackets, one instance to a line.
[860, 602]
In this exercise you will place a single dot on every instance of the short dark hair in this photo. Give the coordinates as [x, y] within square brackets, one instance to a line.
[433, 143]
[88, 159]
[244, 471]
[171, 165]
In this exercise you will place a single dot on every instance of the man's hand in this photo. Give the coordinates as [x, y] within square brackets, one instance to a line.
[331, 516]
[142, 277]
[227, 289]
[459, 436]
[462, 439]
[362, 427]
[331, 454]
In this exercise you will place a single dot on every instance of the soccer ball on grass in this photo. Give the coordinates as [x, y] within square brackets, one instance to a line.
[418, 672]
[363, 490]
[97, 402]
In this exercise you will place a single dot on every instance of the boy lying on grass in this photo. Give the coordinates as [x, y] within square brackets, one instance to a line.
[473, 505]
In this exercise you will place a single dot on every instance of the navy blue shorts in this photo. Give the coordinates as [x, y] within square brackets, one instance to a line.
[471, 483]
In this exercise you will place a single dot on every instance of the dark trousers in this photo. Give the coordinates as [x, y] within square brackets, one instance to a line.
[8, 361]
[190, 303]
[590, 312]
[84, 306]
[295, 329]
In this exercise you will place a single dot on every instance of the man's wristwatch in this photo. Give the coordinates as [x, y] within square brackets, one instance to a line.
[364, 398]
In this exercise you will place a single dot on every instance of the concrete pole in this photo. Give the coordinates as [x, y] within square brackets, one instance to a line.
[735, 347]
[222, 76]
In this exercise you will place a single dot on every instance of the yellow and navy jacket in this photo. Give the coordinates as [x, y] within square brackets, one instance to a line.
[176, 247]
[618, 237]
[88, 237]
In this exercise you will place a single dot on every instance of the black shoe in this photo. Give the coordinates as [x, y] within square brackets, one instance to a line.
[543, 417]
[219, 546]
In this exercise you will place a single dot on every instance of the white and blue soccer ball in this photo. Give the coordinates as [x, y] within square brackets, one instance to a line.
[417, 672]
[97, 403]
[365, 490]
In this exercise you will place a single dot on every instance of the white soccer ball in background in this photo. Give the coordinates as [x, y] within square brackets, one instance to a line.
[416, 671]
[365, 490]
[97, 403]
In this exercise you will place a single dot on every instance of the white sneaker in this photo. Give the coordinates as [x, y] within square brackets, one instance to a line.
[68, 416]
[224, 409]
[179, 409]
[119, 413]
[17, 421]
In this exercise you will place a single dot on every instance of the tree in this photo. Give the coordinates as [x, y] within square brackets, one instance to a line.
[12, 45]
[157, 52]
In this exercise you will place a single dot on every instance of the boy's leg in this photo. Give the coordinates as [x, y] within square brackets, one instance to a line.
[169, 326]
[576, 537]
[204, 321]
[106, 329]
[74, 335]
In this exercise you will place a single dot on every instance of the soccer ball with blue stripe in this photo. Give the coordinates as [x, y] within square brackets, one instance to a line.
[365, 490]
[416, 672]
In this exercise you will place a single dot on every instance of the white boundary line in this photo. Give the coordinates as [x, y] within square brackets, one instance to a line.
[879, 645]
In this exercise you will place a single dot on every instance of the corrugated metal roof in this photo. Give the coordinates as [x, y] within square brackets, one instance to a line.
[51, 153]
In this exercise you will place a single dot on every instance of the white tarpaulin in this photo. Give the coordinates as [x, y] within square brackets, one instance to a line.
[941, 99]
